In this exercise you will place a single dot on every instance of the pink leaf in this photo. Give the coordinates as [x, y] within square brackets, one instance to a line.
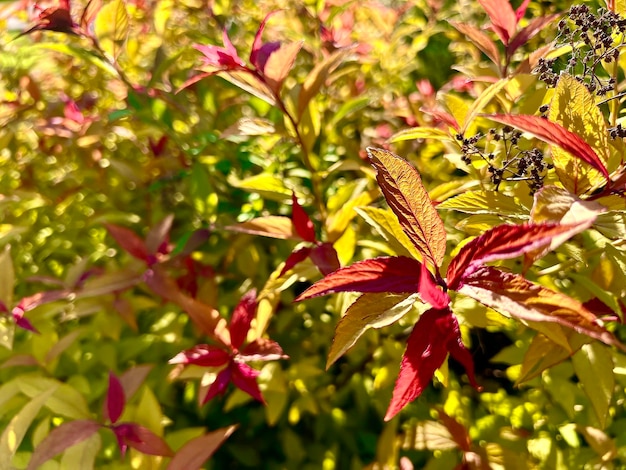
[60, 438]
[115, 400]
[244, 378]
[324, 256]
[553, 134]
[223, 57]
[396, 275]
[529, 31]
[219, 386]
[297, 256]
[502, 18]
[242, 317]
[501, 242]
[262, 349]
[301, 221]
[141, 438]
[132, 378]
[426, 350]
[260, 52]
[521, 10]
[202, 355]
[129, 241]
[194, 453]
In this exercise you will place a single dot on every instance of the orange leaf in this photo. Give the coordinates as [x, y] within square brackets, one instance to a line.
[280, 63]
[502, 18]
[402, 187]
[274, 226]
[480, 40]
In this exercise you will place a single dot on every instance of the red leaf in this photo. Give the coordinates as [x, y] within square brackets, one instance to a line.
[529, 31]
[219, 386]
[402, 187]
[140, 438]
[129, 241]
[60, 438]
[115, 400]
[396, 275]
[553, 134]
[260, 52]
[223, 57]
[502, 18]
[89, 13]
[480, 40]
[301, 221]
[426, 350]
[244, 378]
[297, 256]
[521, 10]
[262, 349]
[324, 256]
[520, 298]
[194, 453]
[202, 355]
[501, 242]
[242, 317]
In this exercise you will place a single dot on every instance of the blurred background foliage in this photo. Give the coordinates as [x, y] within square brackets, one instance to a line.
[88, 138]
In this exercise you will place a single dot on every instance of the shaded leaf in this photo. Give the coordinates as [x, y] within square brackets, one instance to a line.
[242, 317]
[279, 63]
[262, 349]
[159, 234]
[133, 378]
[142, 439]
[387, 225]
[198, 450]
[129, 241]
[244, 378]
[60, 438]
[402, 187]
[503, 242]
[7, 280]
[593, 365]
[325, 258]
[202, 355]
[301, 221]
[554, 134]
[115, 400]
[368, 311]
[512, 294]
[297, 256]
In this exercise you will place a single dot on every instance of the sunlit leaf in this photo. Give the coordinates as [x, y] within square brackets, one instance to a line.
[420, 133]
[402, 186]
[141, 438]
[325, 258]
[574, 108]
[486, 202]
[593, 365]
[274, 226]
[483, 100]
[503, 18]
[480, 40]
[111, 27]
[241, 318]
[301, 221]
[368, 311]
[279, 63]
[7, 280]
[115, 400]
[387, 225]
[198, 450]
[60, 438]
[534, 27]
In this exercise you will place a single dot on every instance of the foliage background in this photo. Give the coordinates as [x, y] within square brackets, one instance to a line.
[228, 157]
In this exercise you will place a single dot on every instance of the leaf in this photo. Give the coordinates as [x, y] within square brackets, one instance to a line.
[247, 126]
[142, 439]
[435, 334]
[593, 365]
[458, 432]
[198, 450]
[133, 378]
[244, 378]
[387, 225]
[129, 241]
[480, 40]
[602, 444]
[368, 311]
[111, 27]
[396, 275]
[279, 63]
[301, 221]
[316, 78]
[512, 294]
[420, 133]
[202, 355]
[402, 187]
[483, 100]
[296, 257]
[503, 18]
[15, 431]
[60, 438]
[7, 280]
[543, 353]
[555, 134]
[535, 25]
[115, 400]
[485, 202]
[274, 226]
[267, 185]
[82, 455]
[341, 218]
[242, 317]
[325, 258]
[262, 349]
[89, 13]
[158, 235]
[504, 242]
[574, 108]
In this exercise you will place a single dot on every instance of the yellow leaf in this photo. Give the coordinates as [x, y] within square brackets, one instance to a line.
[593, 365]
[111, 27]
[486, 202]
[575, 109]
[386, 224]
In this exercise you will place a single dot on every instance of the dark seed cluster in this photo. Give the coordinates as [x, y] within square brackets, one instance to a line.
[510, 162]
[591, 38]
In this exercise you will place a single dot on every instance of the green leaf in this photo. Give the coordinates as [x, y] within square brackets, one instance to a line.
[421, 133]
[14, 433]
[111, 27]
[7, 278]
[486, 202]
[267, 185]
[368, 311]
[66, 401]
[593, 365]
[387, 225]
